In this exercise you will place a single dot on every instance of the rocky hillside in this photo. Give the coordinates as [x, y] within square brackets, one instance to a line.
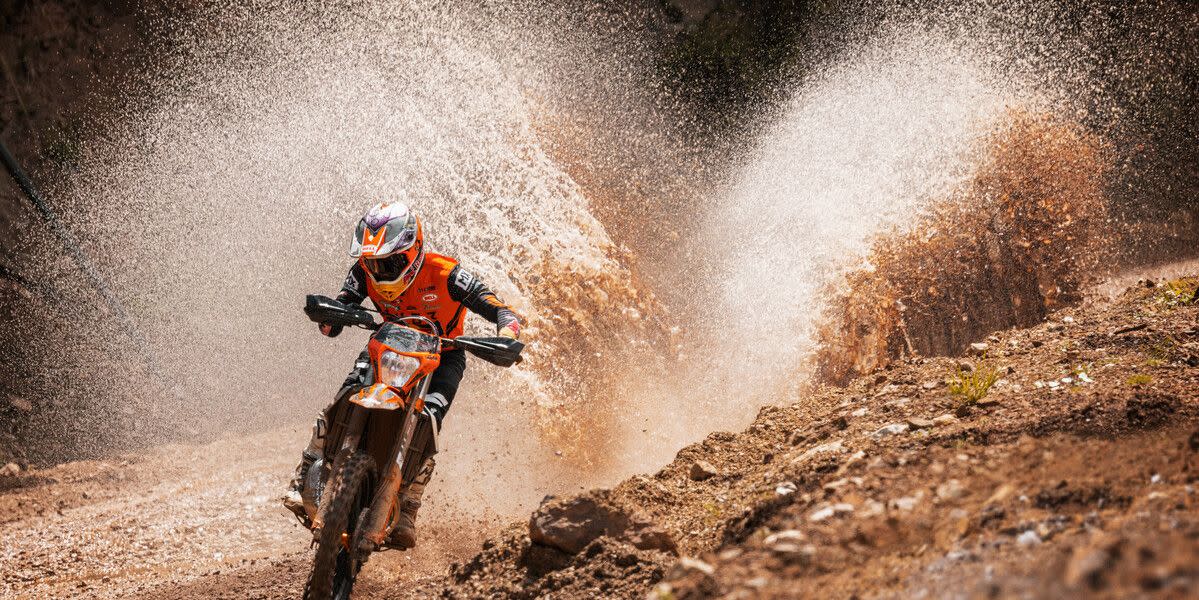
[1052, 461]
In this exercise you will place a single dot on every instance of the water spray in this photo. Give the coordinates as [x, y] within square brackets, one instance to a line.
[72, 245]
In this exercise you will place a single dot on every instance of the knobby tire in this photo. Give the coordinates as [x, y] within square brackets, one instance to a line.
[333, 569]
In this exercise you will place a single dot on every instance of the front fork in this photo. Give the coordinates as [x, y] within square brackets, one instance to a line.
[385, 506]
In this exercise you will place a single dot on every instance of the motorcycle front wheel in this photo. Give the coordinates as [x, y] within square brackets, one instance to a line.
[336, 565]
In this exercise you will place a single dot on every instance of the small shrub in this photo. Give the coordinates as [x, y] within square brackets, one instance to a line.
[970, 387]
[1162, 353]
[1178, 292]
[1138, 380]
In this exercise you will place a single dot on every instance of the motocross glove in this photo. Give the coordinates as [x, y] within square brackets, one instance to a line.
[510, 330]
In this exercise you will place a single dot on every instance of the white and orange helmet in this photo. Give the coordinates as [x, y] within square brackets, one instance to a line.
[390, 245]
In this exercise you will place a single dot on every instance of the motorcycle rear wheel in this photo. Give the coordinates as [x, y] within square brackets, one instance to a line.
[335, 567]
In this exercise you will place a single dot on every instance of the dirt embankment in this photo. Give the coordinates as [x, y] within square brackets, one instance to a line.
[1074, 473]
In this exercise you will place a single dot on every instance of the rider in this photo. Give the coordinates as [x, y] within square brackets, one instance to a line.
[402, 280]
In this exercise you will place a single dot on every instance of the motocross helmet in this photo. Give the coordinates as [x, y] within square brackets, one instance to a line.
[390, 245]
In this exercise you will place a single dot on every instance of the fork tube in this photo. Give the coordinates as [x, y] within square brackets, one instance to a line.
[349, 443]
[385, 507]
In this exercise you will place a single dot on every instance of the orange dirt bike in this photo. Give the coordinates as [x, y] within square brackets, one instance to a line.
[376, 442]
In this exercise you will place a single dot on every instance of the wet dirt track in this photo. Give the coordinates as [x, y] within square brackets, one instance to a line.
[178, 522]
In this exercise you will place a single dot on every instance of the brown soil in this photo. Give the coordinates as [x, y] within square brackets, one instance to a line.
[1050, 486]
[1038, 489]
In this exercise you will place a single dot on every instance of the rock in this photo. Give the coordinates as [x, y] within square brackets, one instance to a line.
[987, 401]
[785, 488]
[570, 524]
[861, 412]
[905, 503]
[831, 510]
[965, 366]
[20, 403]
[835, 485]
[919, 423]
[9, 470]
[790, 544]
[1001, 494]
[1028, 538]
[931, 384]
[1051, 326]
[702, 470]
[951, 490]
[979, 348]
[802, 553]
[890, 430]
[871, 508]
[787, 536]
[687, 563]
[1086, 566]
[945, 419]
[835, 446]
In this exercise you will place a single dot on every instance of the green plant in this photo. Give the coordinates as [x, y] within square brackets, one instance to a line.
[1138, 379]
[972, 386]
[1161, 353]
[1178, 292]
[713, 511]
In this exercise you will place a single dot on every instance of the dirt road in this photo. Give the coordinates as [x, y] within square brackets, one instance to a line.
[179, 521]
[1087, 437]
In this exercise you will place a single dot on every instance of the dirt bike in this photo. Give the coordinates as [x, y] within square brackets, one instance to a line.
[377, 440]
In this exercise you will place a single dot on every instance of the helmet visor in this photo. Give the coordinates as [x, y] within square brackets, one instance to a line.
[388, 268]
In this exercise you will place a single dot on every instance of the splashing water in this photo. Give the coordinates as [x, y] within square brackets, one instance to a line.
[228, 191]
[233, 193]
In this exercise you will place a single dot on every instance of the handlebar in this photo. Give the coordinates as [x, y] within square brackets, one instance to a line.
[500, 351]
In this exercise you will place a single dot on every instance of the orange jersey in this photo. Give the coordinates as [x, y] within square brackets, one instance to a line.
[428, 296]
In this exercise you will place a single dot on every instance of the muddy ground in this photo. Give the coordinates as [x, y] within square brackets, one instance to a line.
[1074, 474]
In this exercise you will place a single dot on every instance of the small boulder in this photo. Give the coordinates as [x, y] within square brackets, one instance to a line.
[1086, 566]
[945, 419]
[833, 447]
[920, 423]
[979, 348]
[688, 564]
[905, 503]
[951, 490]
[9, 470]
[702, 470]
[822, 514]
[1028, 538]
[788, 536]
[570, 524]
[890, 430]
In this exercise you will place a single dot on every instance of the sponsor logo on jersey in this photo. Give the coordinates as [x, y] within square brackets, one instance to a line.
[464, 279]
[429, 297]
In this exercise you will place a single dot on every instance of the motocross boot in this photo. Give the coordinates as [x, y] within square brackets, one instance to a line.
[404, 535]
[293, 498]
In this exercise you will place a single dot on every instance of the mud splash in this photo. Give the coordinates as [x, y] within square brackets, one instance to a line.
[228, 189]
[1018, 240]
